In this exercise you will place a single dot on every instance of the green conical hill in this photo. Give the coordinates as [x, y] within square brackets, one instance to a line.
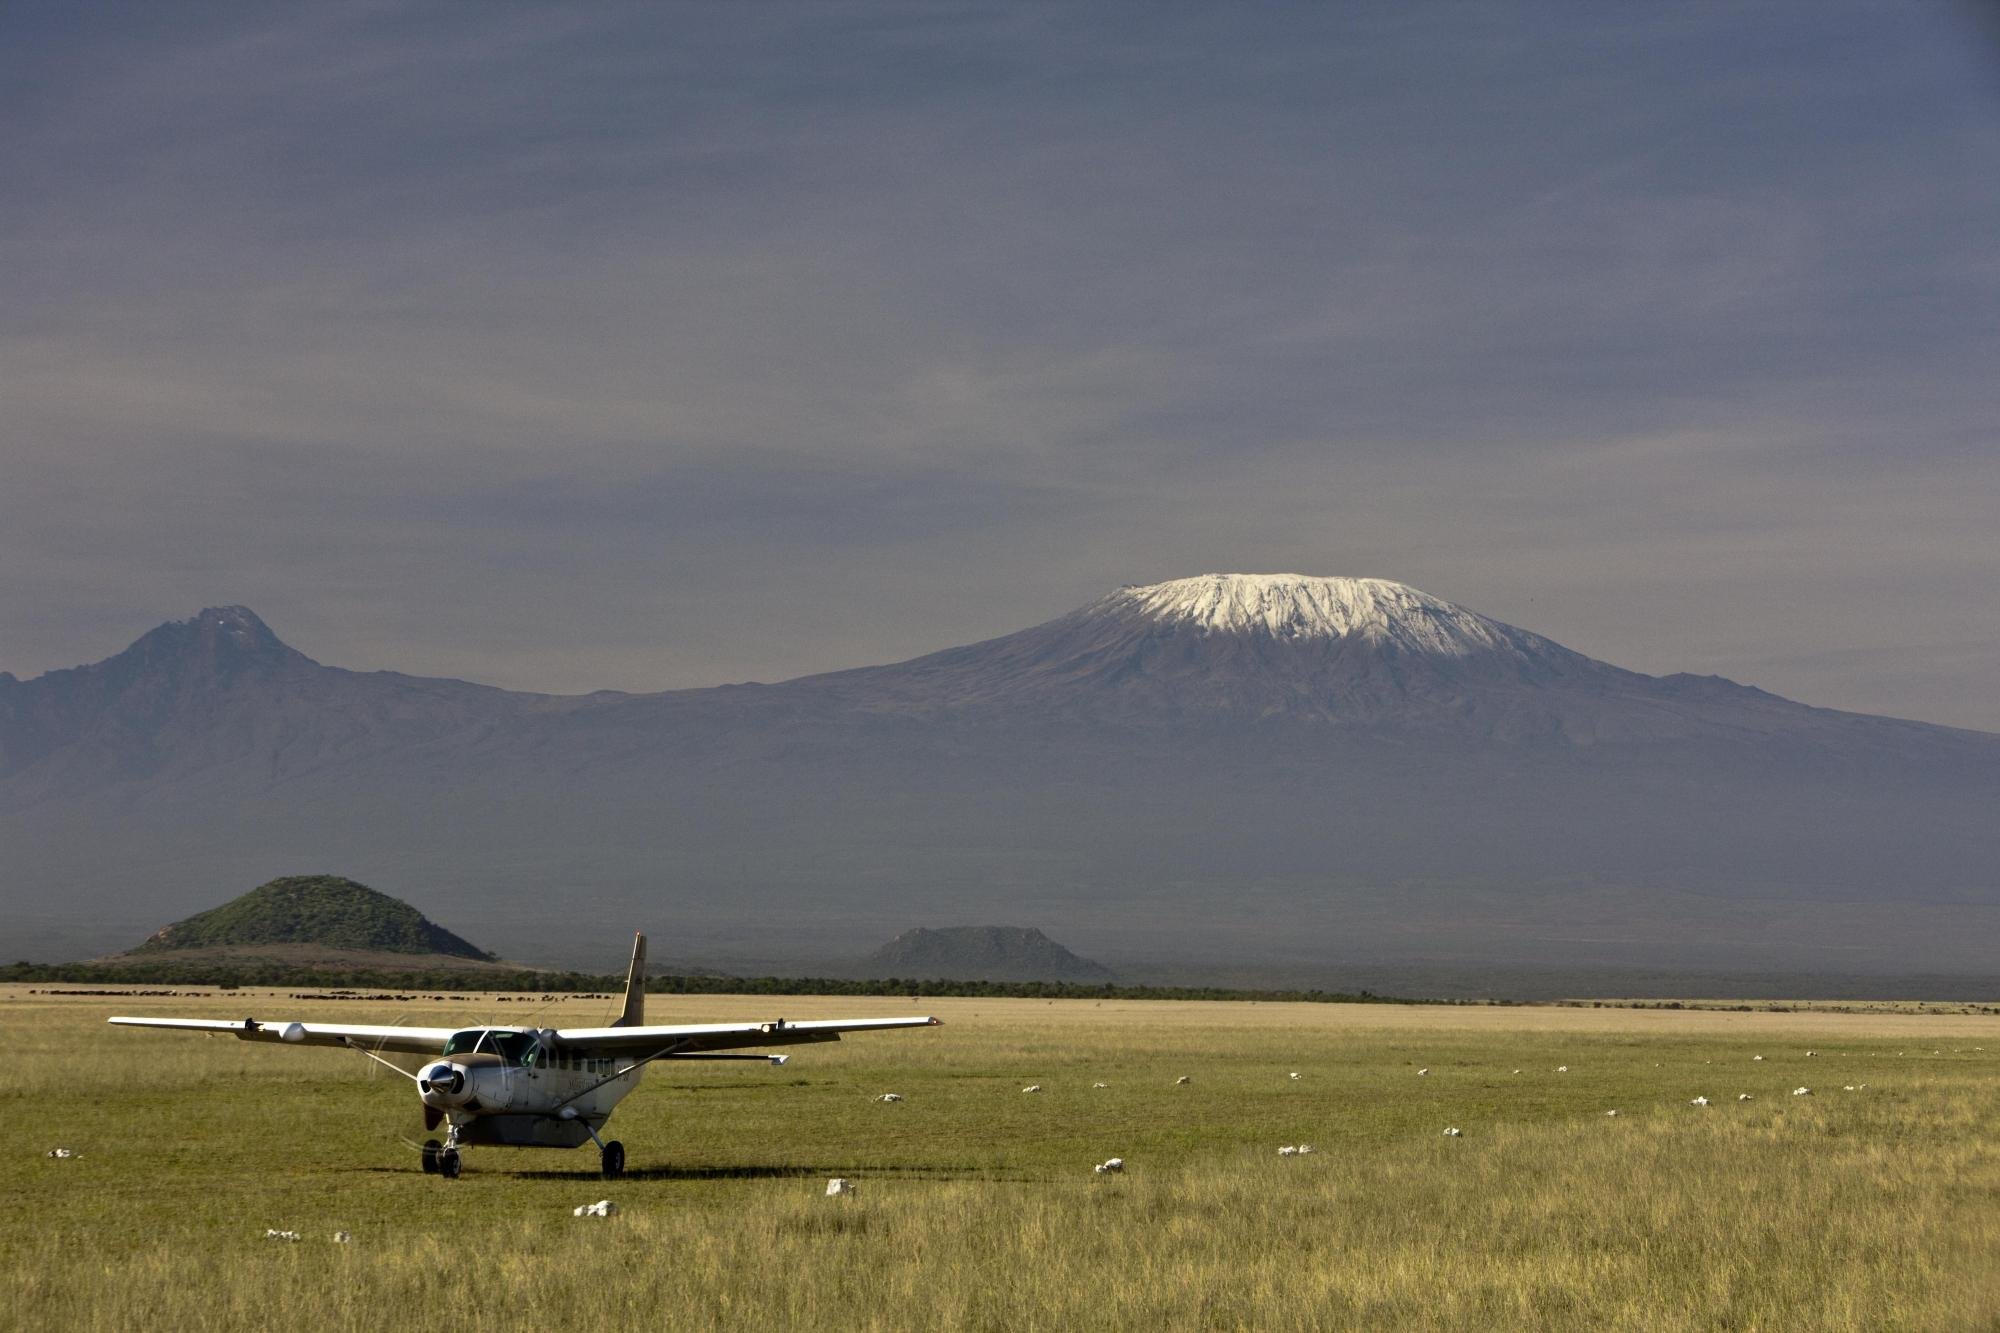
[323, 910]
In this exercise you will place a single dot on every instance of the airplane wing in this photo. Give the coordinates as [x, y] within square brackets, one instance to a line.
[417, 1041]
[725, 1036]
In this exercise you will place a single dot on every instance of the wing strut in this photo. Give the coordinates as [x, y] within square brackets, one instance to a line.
[386, 1064]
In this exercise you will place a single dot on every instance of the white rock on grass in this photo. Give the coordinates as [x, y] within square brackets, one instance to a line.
[1742, 1096]
[1110, 1166]
[1757, 1057]
[1801, 1092]
[1422, 1072]
[1297, 1075]
[1562, 1069]
[839, 1185]
[1699, 1101]
[1032, 1087]
[1611, 1113]
[890, 1097]
[1182, 1081]
[602, 1208]
[1452, 1133]
[272, 1233]
[1100, 1085]
[63, 1153]
[342, 1237]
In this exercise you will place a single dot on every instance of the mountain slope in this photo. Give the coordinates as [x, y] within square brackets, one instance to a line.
[1236, 647]
[980, 953]
[1233, 765]
[1223, 651]
[324, 910]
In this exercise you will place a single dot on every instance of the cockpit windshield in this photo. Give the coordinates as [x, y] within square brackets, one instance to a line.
[514, 1048]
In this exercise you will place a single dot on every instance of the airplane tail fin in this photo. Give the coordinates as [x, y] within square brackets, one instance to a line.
[635, 988]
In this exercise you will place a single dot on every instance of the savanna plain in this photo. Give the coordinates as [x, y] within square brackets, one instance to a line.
[975, 1203]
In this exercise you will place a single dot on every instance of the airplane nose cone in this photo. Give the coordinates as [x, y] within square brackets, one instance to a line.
[442, 1084]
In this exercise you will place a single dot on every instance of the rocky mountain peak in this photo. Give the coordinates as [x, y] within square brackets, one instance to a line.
[220, 640]
[231, 628]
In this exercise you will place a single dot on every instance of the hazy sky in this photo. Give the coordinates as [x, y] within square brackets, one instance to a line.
[639, 345]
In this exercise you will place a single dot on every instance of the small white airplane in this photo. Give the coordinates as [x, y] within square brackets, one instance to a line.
[537, 1087]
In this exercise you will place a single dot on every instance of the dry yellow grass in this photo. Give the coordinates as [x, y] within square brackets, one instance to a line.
[976, 1206]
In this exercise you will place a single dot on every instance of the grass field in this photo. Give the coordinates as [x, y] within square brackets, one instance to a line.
[975, 1204]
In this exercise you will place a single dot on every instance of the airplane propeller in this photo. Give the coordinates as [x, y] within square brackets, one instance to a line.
[377, 1062]
[374, 1069]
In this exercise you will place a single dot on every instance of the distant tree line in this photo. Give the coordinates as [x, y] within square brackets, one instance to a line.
[189, 973]
[915, 988]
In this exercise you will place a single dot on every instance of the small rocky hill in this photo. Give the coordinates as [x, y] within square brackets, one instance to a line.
[981, 953]
[324, 912]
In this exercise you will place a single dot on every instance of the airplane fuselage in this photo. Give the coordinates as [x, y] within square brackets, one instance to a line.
[503, 1086]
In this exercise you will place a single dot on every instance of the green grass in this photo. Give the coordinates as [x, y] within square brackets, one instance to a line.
[975, 1204]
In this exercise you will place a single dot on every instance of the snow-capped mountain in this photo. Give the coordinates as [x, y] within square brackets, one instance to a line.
[1213, 766]
[1391, 617]
[1236, 645]
[1222, 651]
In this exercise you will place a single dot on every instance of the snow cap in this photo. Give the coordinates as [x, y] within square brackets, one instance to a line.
[1302, 606]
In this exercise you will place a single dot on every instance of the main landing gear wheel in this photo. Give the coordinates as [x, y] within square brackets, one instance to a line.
[431, 1147]
[448, 1164]
[614, 1160]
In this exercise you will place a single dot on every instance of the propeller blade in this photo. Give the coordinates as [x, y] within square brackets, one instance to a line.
[432, 1117]
[374, 1070]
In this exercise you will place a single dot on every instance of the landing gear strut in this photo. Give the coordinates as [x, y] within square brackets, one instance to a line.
[441, 1159]
[611, 1159]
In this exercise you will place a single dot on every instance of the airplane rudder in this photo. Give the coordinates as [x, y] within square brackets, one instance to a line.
[635, 986]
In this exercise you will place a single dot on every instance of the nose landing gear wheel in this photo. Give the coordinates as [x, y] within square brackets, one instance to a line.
[614, 1160]
[431, 1157]
[448, 1164]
